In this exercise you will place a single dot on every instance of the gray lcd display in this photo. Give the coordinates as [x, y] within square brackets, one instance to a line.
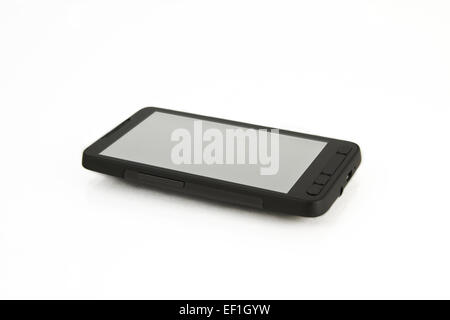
[152, 142]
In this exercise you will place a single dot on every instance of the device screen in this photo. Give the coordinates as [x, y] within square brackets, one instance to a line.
[258, 158]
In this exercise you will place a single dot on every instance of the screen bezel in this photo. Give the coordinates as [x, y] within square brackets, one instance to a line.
[298, 190]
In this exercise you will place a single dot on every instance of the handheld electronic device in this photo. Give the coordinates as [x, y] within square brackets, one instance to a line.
[240, 163]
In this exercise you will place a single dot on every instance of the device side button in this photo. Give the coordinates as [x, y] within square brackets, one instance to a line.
[333, 164]
[314, 190]
[152, 180]
[344, 149]
[322, 179]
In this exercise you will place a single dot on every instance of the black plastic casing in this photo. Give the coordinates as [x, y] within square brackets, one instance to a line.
[342, 156]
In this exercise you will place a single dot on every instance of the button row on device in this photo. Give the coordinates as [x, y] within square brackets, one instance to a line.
[329, 170]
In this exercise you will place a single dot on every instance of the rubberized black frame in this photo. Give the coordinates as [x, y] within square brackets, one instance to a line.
[343, 156]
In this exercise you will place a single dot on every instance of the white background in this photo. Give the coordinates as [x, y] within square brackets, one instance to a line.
[373, 72]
